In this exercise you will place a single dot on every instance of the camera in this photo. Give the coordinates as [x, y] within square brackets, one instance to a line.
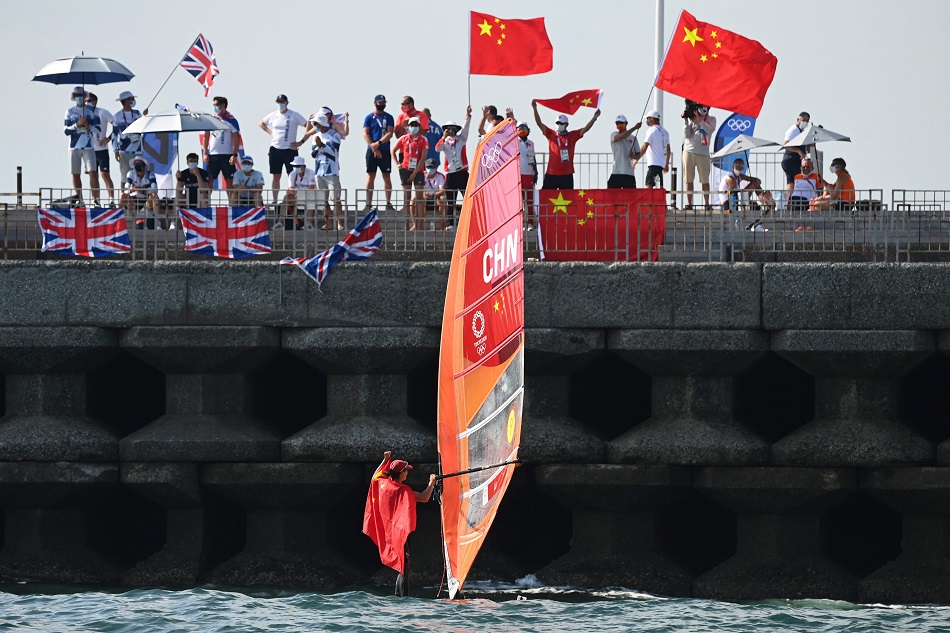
[692, 107]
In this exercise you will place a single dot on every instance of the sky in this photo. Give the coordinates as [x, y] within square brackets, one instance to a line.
[870, 69]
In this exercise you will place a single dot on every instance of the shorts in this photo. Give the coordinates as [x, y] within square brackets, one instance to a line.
[558, 182]
[280, 159]
[82, 161]
[654, 172]
[527, 181]
[328, 187]
[220, 164]
[102, 160]
[455, 183]
[404, 174]
[798, 203]
[384, 163]
[693, 163]
[792, 166]
[622, 181]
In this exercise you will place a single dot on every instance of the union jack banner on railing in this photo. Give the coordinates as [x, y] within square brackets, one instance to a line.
[84, 232]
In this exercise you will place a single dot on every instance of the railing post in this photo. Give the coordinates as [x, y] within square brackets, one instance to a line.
[673, 188]
[19, 186]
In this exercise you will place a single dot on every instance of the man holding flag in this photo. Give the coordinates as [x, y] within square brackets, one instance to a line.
[560, 169]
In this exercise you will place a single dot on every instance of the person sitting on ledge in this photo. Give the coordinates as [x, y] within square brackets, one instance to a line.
[805, 187]
[840, 195]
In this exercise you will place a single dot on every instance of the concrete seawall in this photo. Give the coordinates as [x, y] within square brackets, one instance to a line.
[731, 431]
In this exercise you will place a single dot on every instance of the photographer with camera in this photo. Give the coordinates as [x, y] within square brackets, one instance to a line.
[698, 128]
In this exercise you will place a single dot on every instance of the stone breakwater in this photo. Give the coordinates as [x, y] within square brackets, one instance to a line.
[730, 431]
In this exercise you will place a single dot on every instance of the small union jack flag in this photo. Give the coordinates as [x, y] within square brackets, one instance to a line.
[232, 232]
[361, 243]
[200, 62]
[84, 232]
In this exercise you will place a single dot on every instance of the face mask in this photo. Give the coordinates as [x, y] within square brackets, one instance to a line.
[562, 128]
[431, 171]
[217, 109]
[132, 105]
[192, 165]
[91, 104]
[413, 129]
[835, 169]
[737, 172]
[523, 133]
[380, 106]
[802, 124]
[704, 111]
[298, 168]
[139, 168]
[621, 127]
[247, 168]
[282, 107]
[79, 100]
[406, 108]
[806, 171]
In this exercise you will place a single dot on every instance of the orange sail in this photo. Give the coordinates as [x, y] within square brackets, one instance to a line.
[481, 362]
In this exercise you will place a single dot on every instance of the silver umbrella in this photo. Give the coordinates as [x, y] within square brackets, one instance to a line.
[815, 134]
[742, 143]
[83, 70]
[178, 120]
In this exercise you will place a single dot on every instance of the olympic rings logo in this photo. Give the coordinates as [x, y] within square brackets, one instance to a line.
[491, 156]
[739, 126]
[478, 324]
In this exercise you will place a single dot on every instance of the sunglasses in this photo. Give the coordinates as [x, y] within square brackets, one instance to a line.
[407, 103]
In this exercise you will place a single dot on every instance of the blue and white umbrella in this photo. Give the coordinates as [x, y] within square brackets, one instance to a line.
[83, 70]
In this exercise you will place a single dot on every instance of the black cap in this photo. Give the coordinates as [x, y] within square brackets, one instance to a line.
[431, 162]
[281, 98]
[805, 115]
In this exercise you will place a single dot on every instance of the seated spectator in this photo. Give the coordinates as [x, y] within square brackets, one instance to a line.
[140, 194]
[732, 185]
[249, 183]
[840, 195]
[194, 184]
[433, 191]
[805, 188]
[303, 182]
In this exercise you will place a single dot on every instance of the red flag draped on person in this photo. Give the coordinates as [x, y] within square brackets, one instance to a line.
[573, 101]
[389, 517]
[716, 67]
[508, 47]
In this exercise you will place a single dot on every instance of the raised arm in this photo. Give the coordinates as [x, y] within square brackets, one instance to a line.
[537, 117]
[481, 124]
[590, 124]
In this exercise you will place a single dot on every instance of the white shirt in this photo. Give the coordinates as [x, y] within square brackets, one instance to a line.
[222, 142]
[98, 135]
[433, 184]
[806, 186]
[528, 161]
[454, 149]
[327, 159]
[794, 131]
[303, 180]
[283, 127]
[128, 143]
[659, 140]
[696, 135]
[623, 165]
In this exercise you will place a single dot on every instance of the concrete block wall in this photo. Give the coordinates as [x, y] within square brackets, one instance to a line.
[734, 431]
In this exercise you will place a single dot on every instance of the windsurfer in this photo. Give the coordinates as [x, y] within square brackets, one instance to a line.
[391, 515]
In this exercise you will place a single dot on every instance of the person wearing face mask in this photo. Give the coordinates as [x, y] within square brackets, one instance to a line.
[656, 148]
[734, 182]
[100, 144]
[805, 187]
[698, 127]
[408, 106]
[792, 160]
[414, 148]
[378, 128]
[560, 170]
[326, 155]
[840, 195]
[126, 146]
[81, 125]
[221, 148]
[529, 169]
[433, 192]
[249, 184]
[625, 149]
[452, 146]
[282, 125]
[140, 193]
[194, 184]
[303, 181]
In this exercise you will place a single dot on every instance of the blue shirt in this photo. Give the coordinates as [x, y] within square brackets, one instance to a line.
[378, 123]
[434, 135]
[122, 142]
[81, 138]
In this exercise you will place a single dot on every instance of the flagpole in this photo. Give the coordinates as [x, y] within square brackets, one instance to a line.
[177, 64]
[660, 50]
[470, 57]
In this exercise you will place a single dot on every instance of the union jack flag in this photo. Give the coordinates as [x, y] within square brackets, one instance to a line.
[361, 243]
[232, 232]
[200, 62]
[84, 232]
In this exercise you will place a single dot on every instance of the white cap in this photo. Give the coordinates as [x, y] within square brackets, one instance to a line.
[620, 119]
[653, 114]
[562, 118]
[125, 95]
[298, 161]
[451, 124]
[412, 120]
[320, 119]
[137, 159]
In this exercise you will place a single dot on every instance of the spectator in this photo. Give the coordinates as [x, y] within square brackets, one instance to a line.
[433, 192]
[698, 127]
[452, 144]
[792, 160]
[282, 126]
[840, 195]
[433, 135]
[625, 149]
[301, 189]
[249, 184]
[140, 195]
[221, 154]
[731, 185]
[100, 144]
[414, 148]
[377, 130]
[529, 168]
[489, 114]
[81, 124]
[194, 184]
[326, 154]
[560, 170]
[408, 112]
[126, 146]
[339, 124]
[805, 187]
[656, 148]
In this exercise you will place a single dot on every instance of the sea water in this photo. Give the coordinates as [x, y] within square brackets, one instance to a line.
[488, 608]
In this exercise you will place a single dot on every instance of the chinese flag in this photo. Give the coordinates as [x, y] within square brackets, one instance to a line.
[389, 517]
[716, 67]
[572, 101]
[509, 47]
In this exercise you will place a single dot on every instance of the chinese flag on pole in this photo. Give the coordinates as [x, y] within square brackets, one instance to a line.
[509, 47]
[716, 67]
[572, 101]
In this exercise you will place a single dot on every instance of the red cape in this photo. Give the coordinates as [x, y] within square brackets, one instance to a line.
[389, 517]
